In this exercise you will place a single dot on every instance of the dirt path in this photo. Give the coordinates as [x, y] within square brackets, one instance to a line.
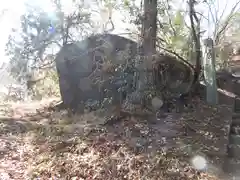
[15, 119]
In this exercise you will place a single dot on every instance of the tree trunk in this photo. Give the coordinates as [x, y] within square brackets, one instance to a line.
[148, 49]
[149, 30]
[195, 26]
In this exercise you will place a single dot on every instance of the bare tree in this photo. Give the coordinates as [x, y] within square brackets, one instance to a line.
[195, 27]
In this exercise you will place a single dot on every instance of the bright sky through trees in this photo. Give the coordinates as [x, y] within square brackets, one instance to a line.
[16, 8]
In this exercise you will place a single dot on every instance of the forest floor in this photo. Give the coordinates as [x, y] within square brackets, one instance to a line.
[38, 144]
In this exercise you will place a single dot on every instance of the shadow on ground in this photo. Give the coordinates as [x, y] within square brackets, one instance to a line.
[51, 145]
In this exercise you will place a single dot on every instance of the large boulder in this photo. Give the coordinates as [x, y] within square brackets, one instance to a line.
[173, 76]
[81, 64]
[87, 67]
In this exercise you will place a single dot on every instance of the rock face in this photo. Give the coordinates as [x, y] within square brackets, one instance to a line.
[173, 75]
[81, 64]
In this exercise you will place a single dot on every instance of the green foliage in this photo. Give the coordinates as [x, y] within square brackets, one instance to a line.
[126, 3]
[173, 31]
[40, 35]
[228, 39]
[47, 87]
[178, 21]
[31, 42]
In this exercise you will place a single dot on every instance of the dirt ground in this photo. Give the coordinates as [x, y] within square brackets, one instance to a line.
[38, 144]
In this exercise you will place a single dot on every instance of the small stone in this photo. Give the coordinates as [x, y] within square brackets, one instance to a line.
[157, 103]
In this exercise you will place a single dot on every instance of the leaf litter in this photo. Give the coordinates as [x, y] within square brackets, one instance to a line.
[50, 145]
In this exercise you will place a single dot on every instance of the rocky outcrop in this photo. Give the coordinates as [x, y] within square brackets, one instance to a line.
[105, 62]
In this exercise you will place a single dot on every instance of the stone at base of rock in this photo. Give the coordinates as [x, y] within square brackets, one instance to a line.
[157, 103]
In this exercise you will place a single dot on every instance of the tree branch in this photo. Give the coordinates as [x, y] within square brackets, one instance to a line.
[178, 56]
[218, 33]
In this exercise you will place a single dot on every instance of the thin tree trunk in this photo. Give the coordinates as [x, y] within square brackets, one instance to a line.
[197, 44]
